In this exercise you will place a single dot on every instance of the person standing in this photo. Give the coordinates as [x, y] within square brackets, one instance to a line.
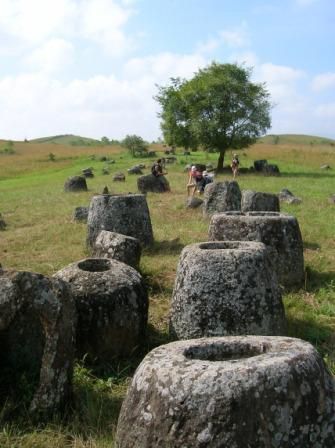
[235, 165]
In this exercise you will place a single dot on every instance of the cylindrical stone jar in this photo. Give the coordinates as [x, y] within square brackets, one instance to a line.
[125, 214]
[230, 392]
[226, 288]
[112, 307]
[279, 231]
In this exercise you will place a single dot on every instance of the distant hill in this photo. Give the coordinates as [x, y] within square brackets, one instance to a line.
[67, 139]
[294, 139]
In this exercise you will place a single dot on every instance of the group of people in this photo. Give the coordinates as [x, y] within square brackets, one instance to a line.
[198, 178]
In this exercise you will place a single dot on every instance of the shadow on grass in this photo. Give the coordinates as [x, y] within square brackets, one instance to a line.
[316, 280]
[312, 175]
[165, 247]
[311, 246]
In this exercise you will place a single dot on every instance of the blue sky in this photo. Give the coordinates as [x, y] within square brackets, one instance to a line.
[90, 67]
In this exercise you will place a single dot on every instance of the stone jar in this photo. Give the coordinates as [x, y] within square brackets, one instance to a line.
[112, 307]
[75, 183]
[221, 196]
[258, 201]
[125, 214]
[37, 331]
[226, 288]
[279, 231]
[118, 247]
[230, 392]
[151, 183]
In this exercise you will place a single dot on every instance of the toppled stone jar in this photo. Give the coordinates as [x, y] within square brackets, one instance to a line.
[125, 214]
[226, 288]
[37, 330]
[112, 307]
[118, 247]
[249, 391]
[279, 231]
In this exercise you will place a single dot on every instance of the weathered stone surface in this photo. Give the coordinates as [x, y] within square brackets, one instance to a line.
[259, 165]
[119, 177]
[87, 172]
[221, 196]
[193, 202]
[125, 214]
[258, 201]
[285, 195]
[75, 183]
[279, 231]
[135, 170]
[37, 330]
[80, 214]
[151, 183]
[112, 307]
[118, 247]
[226, 288]
[3, 224]
[231, 392]
[271, 170]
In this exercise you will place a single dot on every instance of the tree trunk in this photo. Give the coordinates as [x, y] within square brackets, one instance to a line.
[219, 167]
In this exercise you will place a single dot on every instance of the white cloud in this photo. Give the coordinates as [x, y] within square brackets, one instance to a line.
[236, 37]
[99, 21]
[323, 81]
[164, 65]
[103, 22]
[230, 38]
[54, 55]
[248, 58]
[35, 20]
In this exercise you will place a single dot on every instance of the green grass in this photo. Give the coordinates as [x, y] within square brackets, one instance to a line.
[66, 139]
[42, 237]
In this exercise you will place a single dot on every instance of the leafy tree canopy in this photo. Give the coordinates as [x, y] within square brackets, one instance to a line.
[219, 108]
[135, 145]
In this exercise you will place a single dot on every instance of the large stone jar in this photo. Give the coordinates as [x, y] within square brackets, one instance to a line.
[37, 331]
[259, 201]
[221, 196]
[112, 307]
[125, 214]
[230, 392]
[226, 288]
[279, 231]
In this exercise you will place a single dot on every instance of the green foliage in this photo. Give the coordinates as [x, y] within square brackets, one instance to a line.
[52, 157]
[135, 144]
[219, 108]
[105, 141]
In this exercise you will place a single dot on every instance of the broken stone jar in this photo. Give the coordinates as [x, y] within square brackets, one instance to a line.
[37, 331]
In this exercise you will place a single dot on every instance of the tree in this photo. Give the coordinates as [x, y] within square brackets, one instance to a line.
[135, 145]
[219, 108]
[105, 141]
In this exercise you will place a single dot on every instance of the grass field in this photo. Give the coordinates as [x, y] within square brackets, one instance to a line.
[42, 237]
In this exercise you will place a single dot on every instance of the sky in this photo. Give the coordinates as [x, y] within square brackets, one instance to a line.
[91, 67]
